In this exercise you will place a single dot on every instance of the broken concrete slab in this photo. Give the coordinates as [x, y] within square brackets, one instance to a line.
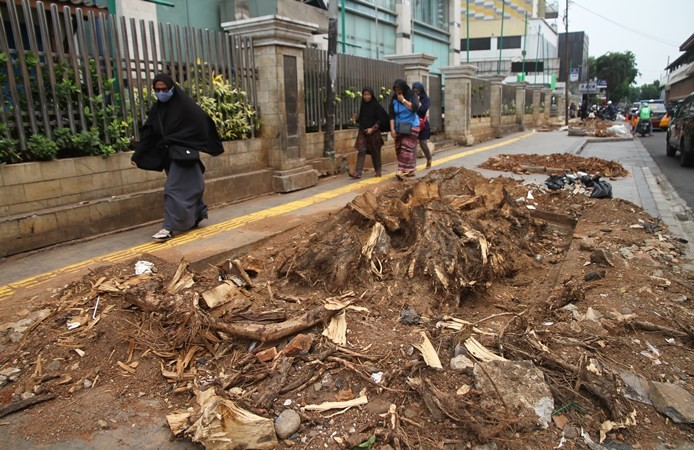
[673, 401]
[520, 384]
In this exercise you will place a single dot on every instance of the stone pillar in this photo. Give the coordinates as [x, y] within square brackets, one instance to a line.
[536, 107]
[278, 45]
[416, 67]
[548, 105]
[520, 104]
[495, 103]
[561, 107]
[458, 103]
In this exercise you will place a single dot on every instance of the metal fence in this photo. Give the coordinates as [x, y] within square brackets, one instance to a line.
[508, 100]
[529, 100]
[481, 98]
[353, 74]
[436, 102]
[65, 69]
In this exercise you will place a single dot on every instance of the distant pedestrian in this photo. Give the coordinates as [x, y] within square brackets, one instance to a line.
[584, 109]
[372, 119]
[404, 127]
[175, 131]
[423, 113]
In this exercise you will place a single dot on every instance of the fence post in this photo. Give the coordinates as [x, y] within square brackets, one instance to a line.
[536, 107]
[548, 105]
[495, 103]
[459, 103]
[561, 106]
[520, 104]
[416, 67]
[278, 45]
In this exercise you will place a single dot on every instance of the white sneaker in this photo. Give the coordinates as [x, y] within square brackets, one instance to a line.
[162, 235]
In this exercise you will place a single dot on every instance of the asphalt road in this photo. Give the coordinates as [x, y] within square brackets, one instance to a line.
[681, 178]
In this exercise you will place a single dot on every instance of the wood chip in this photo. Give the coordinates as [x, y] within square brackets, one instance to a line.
[428, 352]
[480, 352]
[126, 367]
[325, 406]
[337, 329]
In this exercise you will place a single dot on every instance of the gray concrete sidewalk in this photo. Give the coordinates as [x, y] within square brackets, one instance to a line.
[236, 228]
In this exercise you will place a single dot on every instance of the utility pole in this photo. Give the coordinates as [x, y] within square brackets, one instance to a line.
[329, 148]
[501, 39]
[567, 64]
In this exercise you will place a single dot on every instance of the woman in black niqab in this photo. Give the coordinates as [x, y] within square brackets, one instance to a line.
[175, 119]
[371, 119]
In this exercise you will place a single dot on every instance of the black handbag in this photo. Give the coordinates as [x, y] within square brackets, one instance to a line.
[183, 153]
[404, 128]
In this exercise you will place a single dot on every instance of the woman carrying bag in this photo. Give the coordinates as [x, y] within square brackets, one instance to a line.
[404, 127]
[371, 119]
[174, 134]
[423, 113]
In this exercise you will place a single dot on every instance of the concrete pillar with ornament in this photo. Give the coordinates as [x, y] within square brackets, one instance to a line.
[459, 103]
[278, 45]
[416, 67]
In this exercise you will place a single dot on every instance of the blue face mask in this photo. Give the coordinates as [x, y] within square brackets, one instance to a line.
[165, 96]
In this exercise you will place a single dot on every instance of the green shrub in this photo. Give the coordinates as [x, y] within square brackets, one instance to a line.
[41, 148]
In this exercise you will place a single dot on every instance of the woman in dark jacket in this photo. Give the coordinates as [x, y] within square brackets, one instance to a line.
[370, 119]
[174, 122]
[423, 113]
[404, 127]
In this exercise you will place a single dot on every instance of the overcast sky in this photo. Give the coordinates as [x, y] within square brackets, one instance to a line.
[653, 30]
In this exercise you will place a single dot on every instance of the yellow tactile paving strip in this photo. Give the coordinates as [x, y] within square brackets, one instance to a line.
[8, 290]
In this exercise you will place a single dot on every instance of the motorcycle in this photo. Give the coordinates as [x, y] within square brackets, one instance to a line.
[642, 127]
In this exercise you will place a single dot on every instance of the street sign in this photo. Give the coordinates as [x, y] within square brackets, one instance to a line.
[588, 88]
[574, 74]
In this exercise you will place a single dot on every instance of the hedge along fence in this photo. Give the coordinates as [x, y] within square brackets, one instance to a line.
[77, 85]
[353, 74]
[481, 98]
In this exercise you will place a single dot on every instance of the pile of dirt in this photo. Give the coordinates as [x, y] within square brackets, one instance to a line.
[433, 313]
[555, 163]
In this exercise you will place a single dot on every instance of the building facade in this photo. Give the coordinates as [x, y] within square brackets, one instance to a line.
[511, 37]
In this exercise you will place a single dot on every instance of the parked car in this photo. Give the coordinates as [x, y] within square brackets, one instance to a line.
[671, 110]
[680, 132]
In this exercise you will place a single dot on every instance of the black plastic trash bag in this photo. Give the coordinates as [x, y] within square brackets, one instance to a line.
[555, 182]
[587, 180]
[601, 189]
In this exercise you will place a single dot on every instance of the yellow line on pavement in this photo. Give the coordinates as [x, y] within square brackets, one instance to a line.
[231, 224]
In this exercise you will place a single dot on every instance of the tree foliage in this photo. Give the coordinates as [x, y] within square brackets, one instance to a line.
[619, 70]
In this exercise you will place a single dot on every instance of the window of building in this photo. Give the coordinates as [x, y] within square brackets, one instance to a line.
[509, 42]
[531, 66]
[432, 12]
[476, 44]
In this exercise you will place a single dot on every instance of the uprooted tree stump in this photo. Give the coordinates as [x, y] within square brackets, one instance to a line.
[454, 230]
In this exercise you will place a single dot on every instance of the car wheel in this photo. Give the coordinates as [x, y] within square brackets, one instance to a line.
[669, 149]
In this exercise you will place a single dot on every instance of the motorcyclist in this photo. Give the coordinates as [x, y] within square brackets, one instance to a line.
[644, 114]
[610, 111]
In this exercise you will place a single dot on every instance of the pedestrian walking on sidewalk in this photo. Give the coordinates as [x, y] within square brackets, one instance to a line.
[404, 127]
[372, 119]
[423, 113]
[171, 139]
